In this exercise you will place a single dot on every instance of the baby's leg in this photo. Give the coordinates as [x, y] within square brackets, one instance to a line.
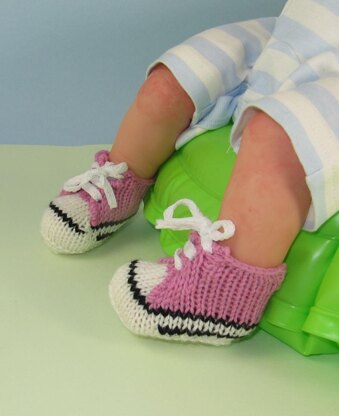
[147, 134]
[93, 205]
[267, 197]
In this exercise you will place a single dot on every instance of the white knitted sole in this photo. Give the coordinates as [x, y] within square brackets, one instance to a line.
[66, 229]
[128, 289]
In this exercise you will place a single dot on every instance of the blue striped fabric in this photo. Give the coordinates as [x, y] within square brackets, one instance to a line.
[287, 67]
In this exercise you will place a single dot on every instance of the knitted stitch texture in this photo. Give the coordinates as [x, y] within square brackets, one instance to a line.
[75, 222]
[212, 298]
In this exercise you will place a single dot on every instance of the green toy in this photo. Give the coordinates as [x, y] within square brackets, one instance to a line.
[304, 313]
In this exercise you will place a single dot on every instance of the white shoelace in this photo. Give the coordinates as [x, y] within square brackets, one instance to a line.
[207, 230]
[96, 178]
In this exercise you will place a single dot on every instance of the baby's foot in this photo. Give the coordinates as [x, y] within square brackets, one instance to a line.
[92, 206]
[202, 295]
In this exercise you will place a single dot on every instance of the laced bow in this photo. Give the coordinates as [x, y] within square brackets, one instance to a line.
[96, 178]
[207, 230]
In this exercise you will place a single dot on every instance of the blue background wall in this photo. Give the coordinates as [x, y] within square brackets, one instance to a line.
[70, 68]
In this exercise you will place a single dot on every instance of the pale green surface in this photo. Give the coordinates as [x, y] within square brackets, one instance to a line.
[64, 352]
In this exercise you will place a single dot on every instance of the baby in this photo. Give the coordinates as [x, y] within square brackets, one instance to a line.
[278, 79]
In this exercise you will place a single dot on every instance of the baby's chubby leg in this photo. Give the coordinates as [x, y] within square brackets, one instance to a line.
[148, 132]
[267, 197]
[96, 203]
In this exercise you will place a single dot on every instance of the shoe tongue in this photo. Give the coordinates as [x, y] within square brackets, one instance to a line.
[218, 249]
[195, 238]
[102, 157]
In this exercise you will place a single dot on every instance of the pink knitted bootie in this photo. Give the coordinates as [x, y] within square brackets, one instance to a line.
[92, 206]
[203, 294]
